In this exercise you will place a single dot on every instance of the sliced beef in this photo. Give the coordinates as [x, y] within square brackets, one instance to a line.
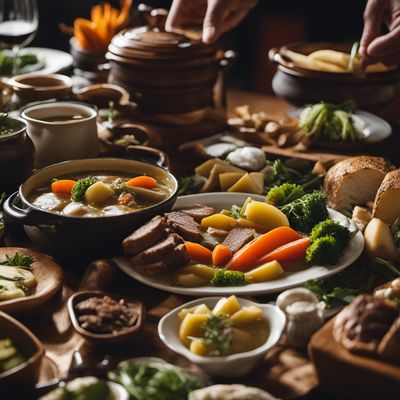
[146, 236]
[209, 240]
[178, 257]
[158, 251]
[198, 211]
[184, 225]
[217, 233]
[238, 237]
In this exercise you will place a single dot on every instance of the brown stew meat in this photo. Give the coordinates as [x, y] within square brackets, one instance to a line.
[99, 194]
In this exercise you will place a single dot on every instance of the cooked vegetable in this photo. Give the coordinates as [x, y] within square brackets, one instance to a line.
[198, 252]
[10, 357]
[143, 181]
[246, 184]
[228, 179]
[379, 241]
[221, 255]
[63, 186]
[266, 215]
[191, 326]
[24, 60]
[155, 380]
[264, 273]
[79, 189]
[248, 256]
[291, 251]
[331, 228]
[223, 277]
[246, 315]
[324, 250]
[99, 192]
[219, 221]
[285, 193]
[330, 122]
[203, 271]
[226, 305]
[306, 212]
[190, 280]
[17, 274]
[245, 223]
[200, 309]
[10, 290]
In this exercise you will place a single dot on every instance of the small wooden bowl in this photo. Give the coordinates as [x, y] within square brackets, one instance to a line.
[104, 338]
[27, 373]
[102, 93]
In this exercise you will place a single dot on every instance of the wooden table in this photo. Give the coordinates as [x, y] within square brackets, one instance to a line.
[286, 373]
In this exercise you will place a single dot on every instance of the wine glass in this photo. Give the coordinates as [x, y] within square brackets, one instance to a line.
[18, 25]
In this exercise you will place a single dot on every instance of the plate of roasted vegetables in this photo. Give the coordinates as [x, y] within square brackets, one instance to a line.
[216, 243]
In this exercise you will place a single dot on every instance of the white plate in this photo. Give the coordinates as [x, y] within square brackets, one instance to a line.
[54, 60]
[288, 280]
[375, 129]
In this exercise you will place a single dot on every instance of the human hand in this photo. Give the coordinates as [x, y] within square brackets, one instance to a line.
[214, 16]
[374, 45]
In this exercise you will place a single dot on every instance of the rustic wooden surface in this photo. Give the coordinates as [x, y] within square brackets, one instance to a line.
[286, 373]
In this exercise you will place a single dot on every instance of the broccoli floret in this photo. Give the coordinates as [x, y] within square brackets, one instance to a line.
[285, 193]
[223, 277]
[80, 187]
[306, 212]
[325, 250]
[331, 228]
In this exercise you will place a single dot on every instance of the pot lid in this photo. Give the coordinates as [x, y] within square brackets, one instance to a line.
[152, 41]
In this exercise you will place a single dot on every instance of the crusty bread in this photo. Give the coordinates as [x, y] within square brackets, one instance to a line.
[387, 200]
[354, 181]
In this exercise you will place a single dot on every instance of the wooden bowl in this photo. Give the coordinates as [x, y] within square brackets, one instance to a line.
[104, 338]
[301, 86]
[26, 374]
[48, 274]
[102, 93]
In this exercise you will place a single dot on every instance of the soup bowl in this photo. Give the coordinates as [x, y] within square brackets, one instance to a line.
[66, 236]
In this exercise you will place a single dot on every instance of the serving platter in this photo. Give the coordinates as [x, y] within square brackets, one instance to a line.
[288, 280]
[48, 274]
[374, 128]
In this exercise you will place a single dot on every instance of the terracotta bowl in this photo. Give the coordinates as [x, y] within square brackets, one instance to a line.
[27, 373]
[104, 338]
[34, 87]
[301, 86]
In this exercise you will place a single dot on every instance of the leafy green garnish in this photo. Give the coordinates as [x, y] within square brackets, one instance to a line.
[79, 189]
[235, 211]
[155, 381]
[217, 334]
[18, 260]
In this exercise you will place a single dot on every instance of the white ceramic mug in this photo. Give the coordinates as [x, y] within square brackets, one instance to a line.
[61, 140]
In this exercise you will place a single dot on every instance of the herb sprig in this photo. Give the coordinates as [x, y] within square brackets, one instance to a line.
[217, 334]
[18, 260]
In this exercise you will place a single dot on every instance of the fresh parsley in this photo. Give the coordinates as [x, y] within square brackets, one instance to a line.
[18, 260]
[217, 334]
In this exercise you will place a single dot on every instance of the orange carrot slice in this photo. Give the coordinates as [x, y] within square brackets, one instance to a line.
[291, 251]
[143, 181]
[63, 186]
[198, 252]
[248, 256]
[221, 255]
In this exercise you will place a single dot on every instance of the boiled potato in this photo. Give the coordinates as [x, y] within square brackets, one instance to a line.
[258, 178]
[219, 221]
[205, 168]
[266, 214]
[213, 179]
[201, 270]
[379, 241]
[99, 192]
[246, 315]
[226, 305]
[200, 309]
[23, 275]
[191, 326]
[10, 291]
[190, 280]
[264, 273]
[338, 58]
[197, 346]
[227, 179]
[246, 184]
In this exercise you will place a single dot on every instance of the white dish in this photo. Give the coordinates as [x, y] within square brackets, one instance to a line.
[234, 365]
[54, 60]
[374, 128]
[287, 281]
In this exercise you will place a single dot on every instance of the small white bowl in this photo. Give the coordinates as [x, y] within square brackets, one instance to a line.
[228, 366]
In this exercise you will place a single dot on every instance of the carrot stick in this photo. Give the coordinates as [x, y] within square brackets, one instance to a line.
[198, 252]
[291, 251]
[143, 181]
[248, 256]
[221, 255]
[63, 186]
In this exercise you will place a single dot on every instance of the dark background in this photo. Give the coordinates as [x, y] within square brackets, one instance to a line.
[271, 23]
